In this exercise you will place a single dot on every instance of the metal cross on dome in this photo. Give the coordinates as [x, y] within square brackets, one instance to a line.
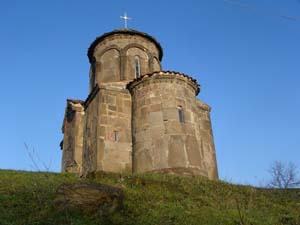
[125, 18]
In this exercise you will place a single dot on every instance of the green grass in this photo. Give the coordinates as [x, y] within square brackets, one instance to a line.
[26, 199]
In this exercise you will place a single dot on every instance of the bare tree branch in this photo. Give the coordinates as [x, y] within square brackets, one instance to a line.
[283, 175]
[31, 156]
[36, 160]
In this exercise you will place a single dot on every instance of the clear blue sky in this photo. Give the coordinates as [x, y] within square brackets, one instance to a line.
[245, 54]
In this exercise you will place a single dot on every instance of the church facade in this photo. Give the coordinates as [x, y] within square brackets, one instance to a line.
[137, 118]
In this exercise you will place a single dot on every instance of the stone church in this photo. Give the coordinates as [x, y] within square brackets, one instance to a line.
[137, 117]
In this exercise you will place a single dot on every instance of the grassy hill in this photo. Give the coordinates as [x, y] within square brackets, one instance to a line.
[26, 199]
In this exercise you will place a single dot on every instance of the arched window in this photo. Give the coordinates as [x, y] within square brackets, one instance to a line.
[137, 68]
[180, 114]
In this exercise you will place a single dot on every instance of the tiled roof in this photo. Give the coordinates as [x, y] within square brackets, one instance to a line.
[167, 72]
[123, 31]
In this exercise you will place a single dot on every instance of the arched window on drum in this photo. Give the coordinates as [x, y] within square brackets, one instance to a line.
[137, 66]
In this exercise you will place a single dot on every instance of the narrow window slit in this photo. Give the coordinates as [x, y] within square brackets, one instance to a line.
[180, 114]
[137, 66]
[116, 136]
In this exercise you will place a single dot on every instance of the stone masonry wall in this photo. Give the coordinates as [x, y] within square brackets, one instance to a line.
[205, 137]
[90, 133]
[160, 139]
[107, 145]
[114, 58]
[73, 137]
[114, 138]
[150, 121]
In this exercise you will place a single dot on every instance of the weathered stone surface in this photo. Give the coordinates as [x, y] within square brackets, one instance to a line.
[174, 127]
[160, 153]
[143, 161]
[73, 136]
[170, 113]
[155, 118]
[135, 119]
[116, 155]
[193, 151]
[92, 198]
[175, 143]
[176, 152]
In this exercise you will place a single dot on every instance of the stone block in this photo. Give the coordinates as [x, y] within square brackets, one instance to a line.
[180, 102]
[144, 110]
[147, 101]
[205, 124]
[170, 114]
[205, 136]
[102, 131]
[119, 104]
[100, 151]
[127, 103]
[154, 108]
[189, 129]
[156, 118]
[176, 156]
[187, 115]
[111, 100]
[180, 93]
[160, 153]
[112, 113]
[155, 100]
[103, 109]
[116, 155]
[140, 102]
[193, 151]
[143, 161]
[168, 102]
[112, 107]
[172, 127]
[104, 119]
[125, 136]
[121, 123]
[157, 132]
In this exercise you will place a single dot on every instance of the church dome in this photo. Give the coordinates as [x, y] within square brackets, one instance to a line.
[127, 32]
[123, 55]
